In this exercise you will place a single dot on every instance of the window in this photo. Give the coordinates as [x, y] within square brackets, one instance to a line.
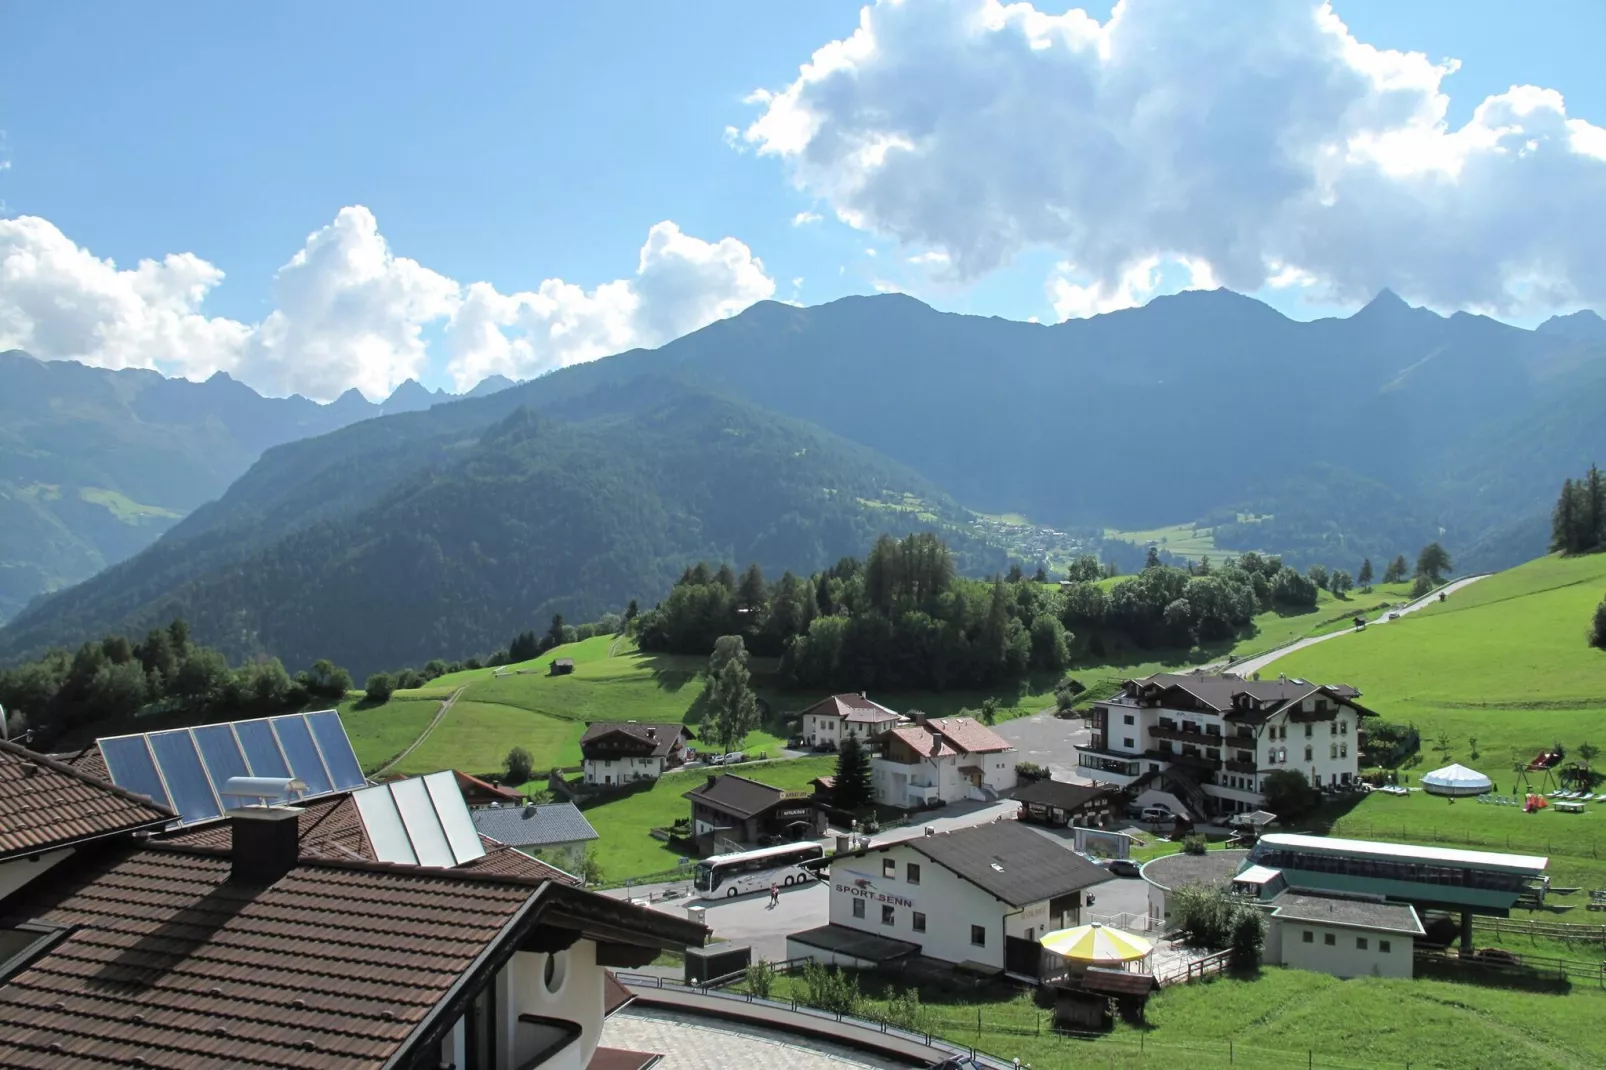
[1329, 939]
[1343, 750]
[1308, 728]
[1307, 754]
[919, 922]
[911, 873]
[1343, 728]
[858, 908]
[887, 914]
[1383, 946]
[1127, 719]
[889, 868]
[1308, 937]
[1127, 743]
[978, 936]
[1360, 943]
[1332, 750]
[1332, 729]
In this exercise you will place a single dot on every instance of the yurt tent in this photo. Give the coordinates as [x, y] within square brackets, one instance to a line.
[1456, 780]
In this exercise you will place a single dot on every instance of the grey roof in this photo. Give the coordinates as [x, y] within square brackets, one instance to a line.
[1061, 794]
[533, 826]
[1212, 867]
[1216, 691]
[1351, 913]
[662, 738]
[732, 794]
[1012, 862]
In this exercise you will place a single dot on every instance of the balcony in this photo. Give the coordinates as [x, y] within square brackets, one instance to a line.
[1094, 763]
[1196, 761]
[1236, 766]
[1184, 735]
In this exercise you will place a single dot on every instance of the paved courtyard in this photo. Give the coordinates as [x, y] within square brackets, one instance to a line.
[689, 1043]
[1048, 741]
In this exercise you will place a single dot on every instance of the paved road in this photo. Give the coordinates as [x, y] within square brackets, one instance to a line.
[1254, 665]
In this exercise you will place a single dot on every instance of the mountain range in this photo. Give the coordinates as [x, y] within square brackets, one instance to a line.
[438, 530]
[95, 464]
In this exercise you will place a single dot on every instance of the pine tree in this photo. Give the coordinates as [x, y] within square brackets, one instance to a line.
[853, 788]
[1153, 558]
[1595, 511]
[1397, 570]
[1564, 521]
[1365, 578]
[752, 592]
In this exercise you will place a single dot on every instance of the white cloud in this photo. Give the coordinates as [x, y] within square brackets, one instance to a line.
[1076, 295]
[348, 312]
[931, 258]
[1253, 137]
[803, 219]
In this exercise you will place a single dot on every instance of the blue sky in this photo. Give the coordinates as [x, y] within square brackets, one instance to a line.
[513, 143]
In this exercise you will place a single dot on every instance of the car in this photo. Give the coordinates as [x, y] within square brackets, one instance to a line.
[1394, 616]
[1123, 867]
[1158, 814]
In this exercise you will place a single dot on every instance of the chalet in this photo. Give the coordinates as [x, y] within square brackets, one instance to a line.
[828, 722]
[622, 752]
[941, 759]
[491, 962]
[1057, 803]
[477, 792]
[1202, 743]
[557, 833]
[740, 811]
[980, 897]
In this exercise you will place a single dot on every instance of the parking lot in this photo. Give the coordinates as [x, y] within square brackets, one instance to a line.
[1048, 741]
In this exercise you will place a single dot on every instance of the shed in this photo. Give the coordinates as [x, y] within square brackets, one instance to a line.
[562, 666]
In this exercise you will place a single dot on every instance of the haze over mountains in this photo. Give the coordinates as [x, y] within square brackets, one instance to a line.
[436, 532]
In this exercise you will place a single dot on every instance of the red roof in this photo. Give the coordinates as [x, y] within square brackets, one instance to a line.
[852, 707]
[45, 803]
[924, 742]
[472, 786]
[968, 734]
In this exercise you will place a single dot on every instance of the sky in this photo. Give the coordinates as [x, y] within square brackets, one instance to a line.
[314, 197]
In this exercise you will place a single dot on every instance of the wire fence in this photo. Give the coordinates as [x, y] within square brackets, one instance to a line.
[1370, 830]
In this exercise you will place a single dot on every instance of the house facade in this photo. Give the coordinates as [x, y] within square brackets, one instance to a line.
[1341, 935]
[624, 752]
[941, 759]
[745, 812]
[828, 722]
[981, 896]
[1202, 743]
[1059, 804]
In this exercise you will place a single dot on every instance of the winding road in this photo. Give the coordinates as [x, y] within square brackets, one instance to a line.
[1260, 661]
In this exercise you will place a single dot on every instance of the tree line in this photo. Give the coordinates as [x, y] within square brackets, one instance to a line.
[1578, 525]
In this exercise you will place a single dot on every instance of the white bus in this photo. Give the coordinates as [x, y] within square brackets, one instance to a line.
[754, 871]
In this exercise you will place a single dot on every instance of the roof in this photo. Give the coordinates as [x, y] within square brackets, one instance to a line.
[1212, 867]
[88, 760]
[1217, 691]
[968, 734]
[331, 827]
[1012, 862]
[534, 826]
[473, 785]
[1258, 875]
[852, 707]
[661, 737]
[733, 794]
[1528, 865]
[337, 964]
[844, 940]
[45, 804]
[923, 742]
[614, 995]
[1060, 794]
[1348, 912]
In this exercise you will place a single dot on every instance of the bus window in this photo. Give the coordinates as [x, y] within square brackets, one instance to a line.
[707, 879]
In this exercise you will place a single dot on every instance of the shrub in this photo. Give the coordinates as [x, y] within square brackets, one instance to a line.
[1421, 586]
[1210, 918]
[1031, 771]
[1289, 794]
[1194, 844]
[379, 688]
[518, 766]
[905, 1012]
[830, 989]
[1597, 634]
[760, 978]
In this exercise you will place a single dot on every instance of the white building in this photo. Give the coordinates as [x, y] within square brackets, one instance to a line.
[981, 896]
[941, 758]
[623, 752]
[1204, 742]
[1340, 935]
[830, 721]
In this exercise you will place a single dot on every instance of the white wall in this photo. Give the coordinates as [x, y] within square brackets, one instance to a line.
[1343, 958]
[951, 906]
[19, 871]
[579, 998]
[622, 770]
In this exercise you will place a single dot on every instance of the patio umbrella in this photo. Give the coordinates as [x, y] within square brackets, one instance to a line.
[1456, 780]
[1096, 943]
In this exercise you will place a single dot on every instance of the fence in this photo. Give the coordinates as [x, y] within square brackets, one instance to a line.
[1195, 969]
[1469, 837]
[1550, 930]
[1132, 923]
[1516, 968]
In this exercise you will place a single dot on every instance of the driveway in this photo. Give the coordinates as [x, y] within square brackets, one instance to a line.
[1048, 741]
[1254, 665]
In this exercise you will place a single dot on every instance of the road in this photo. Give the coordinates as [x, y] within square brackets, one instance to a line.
[1256, 664]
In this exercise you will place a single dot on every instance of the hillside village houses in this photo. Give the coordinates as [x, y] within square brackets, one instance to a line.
[941, 759]
[828, 722]
[1202, 743]
[557, 833]
[623, 752]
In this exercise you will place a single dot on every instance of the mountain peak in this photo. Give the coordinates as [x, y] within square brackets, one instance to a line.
[1585, 325]
[1386, 301]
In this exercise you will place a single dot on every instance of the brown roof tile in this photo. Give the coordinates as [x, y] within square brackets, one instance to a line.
[88, 760]
[968, 734]
[853, 707]
[662, 738]
[45, 803]
[732, 794]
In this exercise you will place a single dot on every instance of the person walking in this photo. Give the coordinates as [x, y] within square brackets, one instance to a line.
[775, 895]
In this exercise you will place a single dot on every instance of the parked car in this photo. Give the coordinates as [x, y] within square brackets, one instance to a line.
[1158, 814]
[1123, 867]
[734, 757]
[1394, 616]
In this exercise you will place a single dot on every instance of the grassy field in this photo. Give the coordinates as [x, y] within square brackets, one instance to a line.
[625, 848]
[1284, 1018]
[379, 733]
[1184, 540]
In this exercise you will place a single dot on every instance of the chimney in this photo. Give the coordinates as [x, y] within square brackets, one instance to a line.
[711, 779]
[266, 842]
[864, 694]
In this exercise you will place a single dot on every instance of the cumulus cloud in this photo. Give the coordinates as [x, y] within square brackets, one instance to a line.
[349, 313]
[1256, 137]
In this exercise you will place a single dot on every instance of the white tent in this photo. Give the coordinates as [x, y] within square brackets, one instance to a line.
[1456, 780]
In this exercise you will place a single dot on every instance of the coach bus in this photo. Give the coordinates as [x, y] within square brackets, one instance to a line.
[755, 871]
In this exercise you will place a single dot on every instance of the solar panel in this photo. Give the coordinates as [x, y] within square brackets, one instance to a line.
[330, 735]
[423, 825]
[187, 783]
[305, 761]
[221, 753]
[129, 761]
[261, 748]
[453, 812]
[383, 822]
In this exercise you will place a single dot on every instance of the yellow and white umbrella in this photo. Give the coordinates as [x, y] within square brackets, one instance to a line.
[1096, 943]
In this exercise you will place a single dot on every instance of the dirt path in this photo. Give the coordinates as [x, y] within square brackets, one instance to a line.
[440, 714]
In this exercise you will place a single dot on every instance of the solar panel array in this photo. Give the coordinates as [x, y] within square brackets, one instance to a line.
[419, 821]
[185, 769]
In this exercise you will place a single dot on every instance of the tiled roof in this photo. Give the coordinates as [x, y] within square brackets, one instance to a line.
[968, 734]
[1013, 863]
[661, 737]
[1062, 795]
[45, 803]
[88, 760]
[924, 742]
[1216, 691]
[734, 794]
[474, 786]
[335, 965]
[852, 707]
[534, 826]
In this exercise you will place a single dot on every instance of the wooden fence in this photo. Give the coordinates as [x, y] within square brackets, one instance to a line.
[1551, 930]
[1182, 973]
